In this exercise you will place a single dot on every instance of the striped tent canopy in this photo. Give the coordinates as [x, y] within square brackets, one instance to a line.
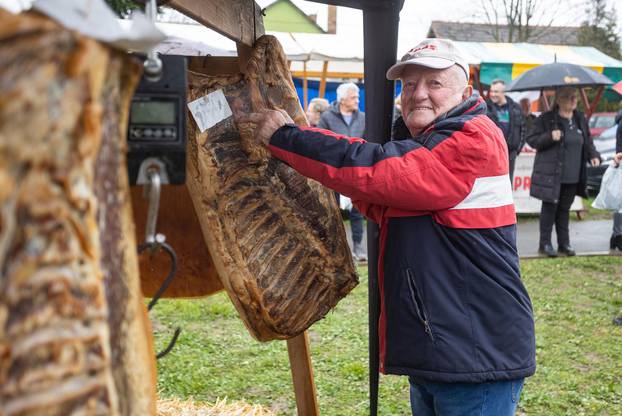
[506, 61]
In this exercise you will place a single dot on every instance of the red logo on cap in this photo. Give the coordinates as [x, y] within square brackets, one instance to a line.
[415, 50]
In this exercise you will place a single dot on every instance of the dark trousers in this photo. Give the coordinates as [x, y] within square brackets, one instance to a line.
[558, 214]
[512, 164]
[356, 224]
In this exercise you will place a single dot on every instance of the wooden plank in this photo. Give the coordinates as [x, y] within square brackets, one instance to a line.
[323, 80]
[196, 274]
[584, 99]
[302, 375]
[244, 54]
[599, 94]
[239, 20]
[318, 74]
[214, 65]
[305, 86]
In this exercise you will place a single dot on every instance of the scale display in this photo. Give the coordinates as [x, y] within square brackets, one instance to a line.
[153, 112]
[156, 130]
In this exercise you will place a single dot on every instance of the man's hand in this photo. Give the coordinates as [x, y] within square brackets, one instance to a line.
[267, 122]
[595, 161]
[617, 159]
[556, 135]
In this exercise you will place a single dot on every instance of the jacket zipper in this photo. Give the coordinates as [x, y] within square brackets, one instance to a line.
[416, 298]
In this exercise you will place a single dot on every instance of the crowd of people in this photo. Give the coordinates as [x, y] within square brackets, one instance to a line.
[560, 136]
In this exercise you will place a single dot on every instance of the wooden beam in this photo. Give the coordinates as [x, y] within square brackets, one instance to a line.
[196, 274]
[318, 74]
[305, 86]
[322, 90]
[584, 99]
[599, 94]
[239, 20]
[244, 54]
[214, 65]
[302, 375]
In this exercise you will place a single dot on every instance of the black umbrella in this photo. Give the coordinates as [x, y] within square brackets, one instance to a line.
[558, 75]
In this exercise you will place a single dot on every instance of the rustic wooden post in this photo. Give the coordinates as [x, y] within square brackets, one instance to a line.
[322, 90]
[302, 375]
[305, 86]
[599, 94]
[585, 101]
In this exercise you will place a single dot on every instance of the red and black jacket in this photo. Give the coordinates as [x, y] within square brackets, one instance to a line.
[453, 307]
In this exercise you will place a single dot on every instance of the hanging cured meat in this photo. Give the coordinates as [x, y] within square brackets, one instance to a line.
[74, 338]
[276, 238]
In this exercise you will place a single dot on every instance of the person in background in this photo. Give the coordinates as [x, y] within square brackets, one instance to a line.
[616, 236]
[315, 109]
[344, 117]
[564, 146]
[508, 116]
[528, 116]
[455, 316]
[397, 108]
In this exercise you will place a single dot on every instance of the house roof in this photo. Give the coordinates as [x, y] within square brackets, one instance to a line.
[267, 5]
[481, 32]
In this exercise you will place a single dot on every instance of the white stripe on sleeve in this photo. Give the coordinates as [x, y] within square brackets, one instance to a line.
[488, 192]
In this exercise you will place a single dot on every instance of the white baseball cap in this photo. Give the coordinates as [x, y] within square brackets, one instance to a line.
[434, 53]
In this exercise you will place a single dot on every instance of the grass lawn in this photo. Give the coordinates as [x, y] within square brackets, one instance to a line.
[579, 351]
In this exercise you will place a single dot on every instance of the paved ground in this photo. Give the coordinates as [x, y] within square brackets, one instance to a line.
[587, 237]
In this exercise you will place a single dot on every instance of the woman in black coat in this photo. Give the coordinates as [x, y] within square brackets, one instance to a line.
[616, 237]
[562, 138]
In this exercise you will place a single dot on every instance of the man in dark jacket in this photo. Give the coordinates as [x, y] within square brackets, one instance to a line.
[508, 116]
[344, 117]
[455, 316]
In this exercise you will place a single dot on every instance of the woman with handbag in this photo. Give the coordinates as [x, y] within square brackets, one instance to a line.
[564, 146]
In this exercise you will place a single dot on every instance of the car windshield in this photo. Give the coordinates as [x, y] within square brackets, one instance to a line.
[602, 121]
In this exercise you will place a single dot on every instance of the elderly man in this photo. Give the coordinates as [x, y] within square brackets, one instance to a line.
[508, 116]
[344, 117]
[455, 316]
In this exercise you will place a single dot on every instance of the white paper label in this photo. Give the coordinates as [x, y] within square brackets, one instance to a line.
[210, 109]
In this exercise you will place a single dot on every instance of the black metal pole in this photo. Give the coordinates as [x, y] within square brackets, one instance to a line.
[380, 27]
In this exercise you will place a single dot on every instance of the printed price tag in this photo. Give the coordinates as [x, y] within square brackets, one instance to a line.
[210, 109]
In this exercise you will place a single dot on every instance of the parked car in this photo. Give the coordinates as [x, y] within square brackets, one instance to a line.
[606, 146]
[600, 122]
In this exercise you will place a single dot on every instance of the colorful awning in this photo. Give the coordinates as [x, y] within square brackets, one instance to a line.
[506, 61]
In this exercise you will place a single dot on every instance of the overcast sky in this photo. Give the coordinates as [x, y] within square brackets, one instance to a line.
[416, 15]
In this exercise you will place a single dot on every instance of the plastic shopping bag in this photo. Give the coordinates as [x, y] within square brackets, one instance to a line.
[610, 195]
[345, 203]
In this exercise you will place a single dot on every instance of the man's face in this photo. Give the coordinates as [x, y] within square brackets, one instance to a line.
[351, 101]
[497, 93]
[427, 93]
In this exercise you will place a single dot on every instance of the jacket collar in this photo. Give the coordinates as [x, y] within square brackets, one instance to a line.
[474, 105]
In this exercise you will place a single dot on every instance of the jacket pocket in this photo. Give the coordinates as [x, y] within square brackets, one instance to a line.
[417, 300]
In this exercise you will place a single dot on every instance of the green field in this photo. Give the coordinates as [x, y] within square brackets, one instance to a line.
[579, 351]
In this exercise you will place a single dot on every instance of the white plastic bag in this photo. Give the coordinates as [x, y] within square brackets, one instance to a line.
[610, 194]
[345, 203]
